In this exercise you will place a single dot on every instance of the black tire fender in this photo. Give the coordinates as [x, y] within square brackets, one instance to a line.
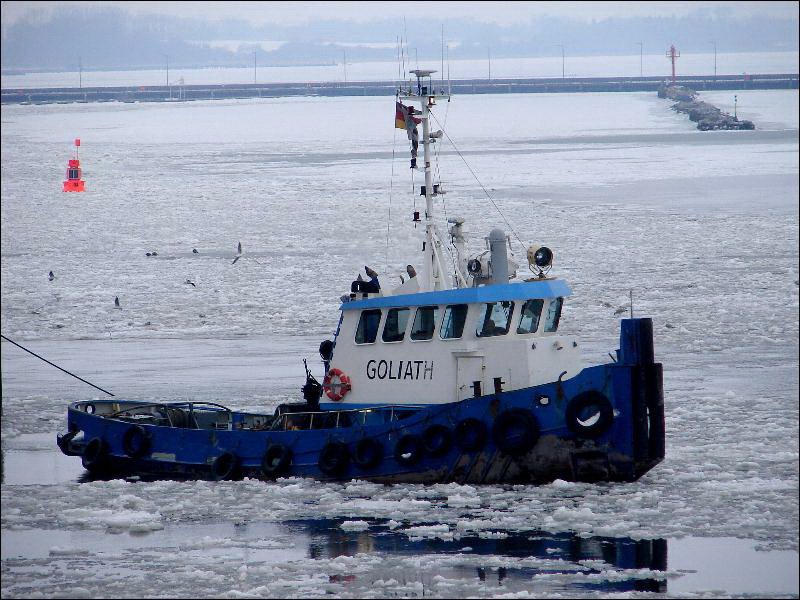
[136, 441]
[334, 459]
[515, 431]
[594, 402]
[95, 454]
[276, 461]
[408, 450]
[225, 466]
[368, 453]
[437, 440]
[470, 434]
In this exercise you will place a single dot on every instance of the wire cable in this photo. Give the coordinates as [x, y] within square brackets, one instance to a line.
[479, 182]
[391, 186]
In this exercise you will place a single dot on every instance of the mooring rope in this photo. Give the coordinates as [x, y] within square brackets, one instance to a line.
[55, 365]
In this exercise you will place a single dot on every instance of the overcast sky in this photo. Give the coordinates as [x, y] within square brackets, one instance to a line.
[504, 13]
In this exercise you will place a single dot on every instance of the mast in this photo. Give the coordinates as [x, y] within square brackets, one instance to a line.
[433, 273]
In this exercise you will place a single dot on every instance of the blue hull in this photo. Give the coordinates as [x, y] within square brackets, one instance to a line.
[605, 424]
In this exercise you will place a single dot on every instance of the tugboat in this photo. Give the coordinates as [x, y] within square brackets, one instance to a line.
[457, 375]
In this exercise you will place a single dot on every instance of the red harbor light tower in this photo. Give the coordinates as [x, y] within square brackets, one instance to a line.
[672, 54]
[74, 183]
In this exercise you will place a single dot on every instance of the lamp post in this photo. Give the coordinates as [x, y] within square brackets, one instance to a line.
[715, 59]
[735, 99]
[641, 51]
[170, 89]
[562, 59]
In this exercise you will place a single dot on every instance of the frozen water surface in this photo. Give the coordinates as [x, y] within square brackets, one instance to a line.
[703, 227]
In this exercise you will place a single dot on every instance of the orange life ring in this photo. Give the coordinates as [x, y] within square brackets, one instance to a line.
[336, 390]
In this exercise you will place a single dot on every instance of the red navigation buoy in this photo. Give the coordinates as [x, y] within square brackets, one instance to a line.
[74, 183]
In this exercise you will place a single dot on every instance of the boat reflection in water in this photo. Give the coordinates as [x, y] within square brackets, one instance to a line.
[529, 560]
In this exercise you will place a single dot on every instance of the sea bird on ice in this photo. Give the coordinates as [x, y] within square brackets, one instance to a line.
[190, 282]
[51, 276]
[239, 249]
[116, 302]
[194, 251]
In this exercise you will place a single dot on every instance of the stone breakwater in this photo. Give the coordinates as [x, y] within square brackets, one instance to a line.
[707, 116]
[523, 85]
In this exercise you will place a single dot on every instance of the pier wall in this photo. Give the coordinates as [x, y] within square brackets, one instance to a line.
[387, 88]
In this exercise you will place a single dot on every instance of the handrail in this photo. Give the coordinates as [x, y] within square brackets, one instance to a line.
[190, 405]
[355, 410]
[283, 417]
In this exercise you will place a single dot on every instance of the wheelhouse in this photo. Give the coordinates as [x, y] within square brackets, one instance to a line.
[448, 345]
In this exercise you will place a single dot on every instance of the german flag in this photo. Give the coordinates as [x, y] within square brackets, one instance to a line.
[403, 112]
[400, 116]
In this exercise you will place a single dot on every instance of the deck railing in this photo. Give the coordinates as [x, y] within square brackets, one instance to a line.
[284, 420]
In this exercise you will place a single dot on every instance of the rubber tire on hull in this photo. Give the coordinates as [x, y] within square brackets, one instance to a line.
[136, 441]
[225, 466]
[334, 459]
[586, 400]
[411, 445]
[470, 434]
[437, 440]
[515, 431]
[368, 453]
[95, 455]
[276, 462]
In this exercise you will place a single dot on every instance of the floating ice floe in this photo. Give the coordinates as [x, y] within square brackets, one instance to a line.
[354, 525]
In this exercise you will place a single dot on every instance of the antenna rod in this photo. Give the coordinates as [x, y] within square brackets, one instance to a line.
[399, 67]
[402, 61]
[442, 54]
[449, 88]
[405, 45]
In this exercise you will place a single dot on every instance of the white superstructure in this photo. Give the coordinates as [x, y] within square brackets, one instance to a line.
[443, 337]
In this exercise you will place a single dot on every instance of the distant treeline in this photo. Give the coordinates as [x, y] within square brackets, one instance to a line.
[109, 37]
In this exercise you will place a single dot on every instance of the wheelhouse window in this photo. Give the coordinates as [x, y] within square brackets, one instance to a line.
[495, 319]
[72, 174]
[367, 329]
[424, 323]
[529, 317]
[395, 328]
[455, 315]
[553, 315]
